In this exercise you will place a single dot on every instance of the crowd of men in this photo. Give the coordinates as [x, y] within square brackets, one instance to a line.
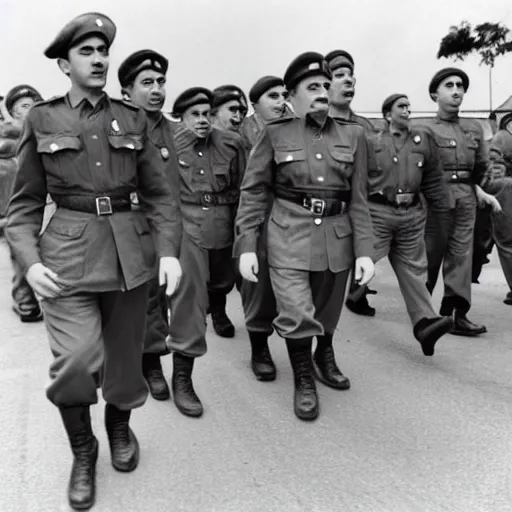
[157, 218]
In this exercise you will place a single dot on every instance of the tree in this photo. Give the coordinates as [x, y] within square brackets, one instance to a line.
[489, 40]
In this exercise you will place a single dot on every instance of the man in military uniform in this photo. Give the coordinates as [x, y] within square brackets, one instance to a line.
[316, 167]
[92, 263]
[268, 98]
[449, 232]
[210, 163]
[407, 165]
[18, 102]
[341, 95]
[142, 79]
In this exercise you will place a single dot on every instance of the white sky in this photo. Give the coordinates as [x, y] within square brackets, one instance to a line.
[213, 42]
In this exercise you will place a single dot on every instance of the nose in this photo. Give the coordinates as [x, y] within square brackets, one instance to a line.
[323, 93]
[237, 116]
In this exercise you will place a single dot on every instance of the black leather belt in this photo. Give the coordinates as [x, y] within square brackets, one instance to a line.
[459, 176]
[321, 203]
[402, 200]
[101, 205]
[211, 198]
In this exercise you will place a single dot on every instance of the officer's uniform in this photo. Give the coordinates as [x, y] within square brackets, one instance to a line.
[90, 159]
[407, 166]
[449, 232]
[316, 169]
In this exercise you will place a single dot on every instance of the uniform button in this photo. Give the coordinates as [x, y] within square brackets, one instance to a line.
[53, 147]
[399, 190]
[320, 178]
[319, 156]
[318, 222]
[453, 143]
[98, 164]
[201, 171]
[95, 137]
[420, 164]
[395, 159]
[454, 176]
[199, 153]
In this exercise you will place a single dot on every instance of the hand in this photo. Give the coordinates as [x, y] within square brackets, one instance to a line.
[495, 204]
[169, 274]
[484, 199]
[248, 266]
[365, 270]
[43, 281]
[498, 170]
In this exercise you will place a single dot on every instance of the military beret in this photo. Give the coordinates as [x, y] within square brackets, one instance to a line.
[339, 59]
[140, 61]
[305, 65]
[225, 93]
[189, 98]
[388, 103]
[262, 86]
[445, 73]
[507, 118]
[18, 92]
[79, 28]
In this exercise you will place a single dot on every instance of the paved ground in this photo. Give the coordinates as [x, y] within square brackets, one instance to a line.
[414, 434]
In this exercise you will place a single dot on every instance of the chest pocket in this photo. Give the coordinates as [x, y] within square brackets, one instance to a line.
[124, 155]
[375, 159]
[416, 161]
[447, 150]
[343, 160]
[58, 152]
[288, 156]
[128, 142]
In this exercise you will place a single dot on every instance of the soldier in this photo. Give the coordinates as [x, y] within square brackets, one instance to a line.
[18, 102]
[407, 165]
[316, 167]
[268, 97]
[449, 232]
[142, 79]
[210, 163]
[341, 95]
[92, 263]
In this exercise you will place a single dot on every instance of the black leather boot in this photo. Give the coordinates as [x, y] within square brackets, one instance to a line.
[152, 370]
[28, 313]
[508, 299]
[447, 307]
[221, 323]
[324, 364]
[464, 327]
[185, 397]
[124, 447]
[82, 481]
[305, 397]
[357, 301]
[428, 330]
[261, 361]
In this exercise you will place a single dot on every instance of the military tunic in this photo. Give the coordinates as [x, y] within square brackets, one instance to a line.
[210, 170]
[449, 232]
[311, 243]
[77, 153]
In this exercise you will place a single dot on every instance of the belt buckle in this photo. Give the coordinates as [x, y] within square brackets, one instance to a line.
[402, 199]
[317, 206]
[103, 206]
[207, 198]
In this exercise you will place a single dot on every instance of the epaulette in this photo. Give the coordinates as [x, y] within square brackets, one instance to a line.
[171, 118]
[49, 101]
[282, 120]
[125, 103]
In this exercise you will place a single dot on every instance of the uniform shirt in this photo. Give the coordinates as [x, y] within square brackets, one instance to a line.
[501, 149]
[368, 127]
[211, 164]
[306, 155]
[408, 163]
[252, 126]
[72, 148]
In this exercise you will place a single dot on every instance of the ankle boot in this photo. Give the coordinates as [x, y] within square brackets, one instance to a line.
[464, 327]
[221, 323]
[185, 397]
[428, 330]
[324, 364]
[124, 447]
[446, 307]
[357, 302]
[152, 370]
[305, 397]
[82, 481]
[261, 361]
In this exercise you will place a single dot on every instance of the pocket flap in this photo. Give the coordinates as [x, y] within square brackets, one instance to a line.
[53, 143]
[142, 226]
[67, 230]
[279, 222]
[291, 155]
[342, 156]
[342, 228]
[444, 143]
[127, 141]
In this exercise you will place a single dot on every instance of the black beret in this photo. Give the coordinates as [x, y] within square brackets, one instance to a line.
[225, 93]
[445, 73]
[388, 103]
[140, 61]
[20, 91]
[305, 65]
[189, 98]
[262, 86]
[505, 120]
[79, 28]
[339, 59]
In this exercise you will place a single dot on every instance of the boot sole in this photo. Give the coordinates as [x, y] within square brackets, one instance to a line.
[444, 327]
[328, 383]
[129, 468]
[359, 312]
[310, 416]
[466, 334]
[264, 377]
[89, 504]
[188, 412]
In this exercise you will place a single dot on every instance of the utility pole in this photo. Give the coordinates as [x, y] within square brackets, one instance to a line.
[490, 89]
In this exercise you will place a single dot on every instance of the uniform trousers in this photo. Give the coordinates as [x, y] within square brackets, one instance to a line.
[157, 327]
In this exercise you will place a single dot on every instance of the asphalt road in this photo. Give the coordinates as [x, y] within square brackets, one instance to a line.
[414, 434]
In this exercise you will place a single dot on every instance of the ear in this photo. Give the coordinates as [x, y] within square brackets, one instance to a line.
[126, 93]
[434, 96]
[64, 66]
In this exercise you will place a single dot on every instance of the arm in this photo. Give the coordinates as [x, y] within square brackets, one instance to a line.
[433, 186]
[482, 173]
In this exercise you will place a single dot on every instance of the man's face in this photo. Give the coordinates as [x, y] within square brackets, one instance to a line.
[450, 93]
[400, 113]
[342, 88]
[21, 108]
[197, 119]
[148, 90]
[272, 103]
[229, 116]
[508, 126]
[310, 95]
[87, 63]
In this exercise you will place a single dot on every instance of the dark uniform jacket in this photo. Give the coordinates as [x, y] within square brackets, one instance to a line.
[501, 150]
[415, 168]
[306, 155]
[70, 148]
[210, 170]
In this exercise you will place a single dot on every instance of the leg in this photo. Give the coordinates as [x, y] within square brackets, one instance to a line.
[222, 280]
[482, 241]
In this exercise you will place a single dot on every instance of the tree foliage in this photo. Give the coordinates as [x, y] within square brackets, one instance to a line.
[489, 40]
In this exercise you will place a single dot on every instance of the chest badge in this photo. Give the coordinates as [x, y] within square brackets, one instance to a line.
[115, 126]
[165, 153]
[417, 139]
